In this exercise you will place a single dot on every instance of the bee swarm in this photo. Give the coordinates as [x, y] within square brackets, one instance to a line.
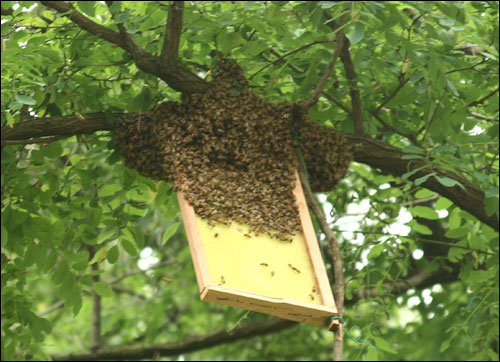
[232, 153]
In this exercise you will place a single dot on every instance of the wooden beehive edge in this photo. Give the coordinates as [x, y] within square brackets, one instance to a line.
[194, 240]
[280, 307]
[312, 247]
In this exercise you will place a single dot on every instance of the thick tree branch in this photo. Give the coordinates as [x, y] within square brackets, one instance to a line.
[387, 158]
[176, 77]
[374, 153]
[192, 344]
[58, 126]
[170, 48]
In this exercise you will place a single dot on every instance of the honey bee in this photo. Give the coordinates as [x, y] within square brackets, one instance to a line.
[222, 280]
[272, 273]
[216, 235]
[312, 296]
[264, 264]
[232, 154]
[294, 268]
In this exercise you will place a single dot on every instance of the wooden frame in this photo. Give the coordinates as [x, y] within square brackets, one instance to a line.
[256, 283]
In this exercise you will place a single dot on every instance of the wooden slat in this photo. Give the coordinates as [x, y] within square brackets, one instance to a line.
[279, 307]
[313, 247]
[194, 240]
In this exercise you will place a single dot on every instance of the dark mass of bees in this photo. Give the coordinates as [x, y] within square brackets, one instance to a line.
[232, 153]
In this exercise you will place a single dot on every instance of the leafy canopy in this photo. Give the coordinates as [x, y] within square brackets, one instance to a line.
[74, 219]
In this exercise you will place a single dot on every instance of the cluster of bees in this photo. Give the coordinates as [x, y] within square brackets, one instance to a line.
[232, 153]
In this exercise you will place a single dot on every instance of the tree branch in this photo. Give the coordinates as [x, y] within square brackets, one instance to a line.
[281, 58]
[188, 345]
[417, 280]
[321, 85]
[391, 96]
[387, 158]
[170, 48]
[479, 101]
[95, 328]
[374, 153]
[176, 77]
[345, 56]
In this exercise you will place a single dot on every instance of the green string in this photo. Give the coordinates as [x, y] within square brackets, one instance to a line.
[357, 339]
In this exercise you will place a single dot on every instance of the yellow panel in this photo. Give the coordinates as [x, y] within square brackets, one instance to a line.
[258, 264]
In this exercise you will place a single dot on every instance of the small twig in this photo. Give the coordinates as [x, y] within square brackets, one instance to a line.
[95, 332]
[486, 118]
[337, 102]
[140, 271]
[52, 308]
[472, 67]
[479, 101]
[282, 57]
[392, 95]
[410, 136]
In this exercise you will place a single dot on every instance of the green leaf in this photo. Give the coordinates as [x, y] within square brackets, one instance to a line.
[103, 289]
[54, 150]
[109, 189]
[129, 247]
[411, 173]
[413, 149]
[370, 355]
[100, 255]
[411, 157]
[480, 276]
[25, 99]
[419, 228]
[422, 179]
[88, 7]
[357, 34]
[105, 235]
[383, 345]
[457, 233]
[113, 254]
[376, 251]
[448, 182]
[425, 212]
[491, 192]
[491, 206]
[169, 232]
[5, 235]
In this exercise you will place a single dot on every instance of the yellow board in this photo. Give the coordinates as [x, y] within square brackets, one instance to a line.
[258, 264]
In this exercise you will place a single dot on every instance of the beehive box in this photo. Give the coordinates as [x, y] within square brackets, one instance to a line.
[259, 273]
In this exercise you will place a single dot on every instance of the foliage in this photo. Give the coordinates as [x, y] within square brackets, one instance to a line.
[427, 75]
